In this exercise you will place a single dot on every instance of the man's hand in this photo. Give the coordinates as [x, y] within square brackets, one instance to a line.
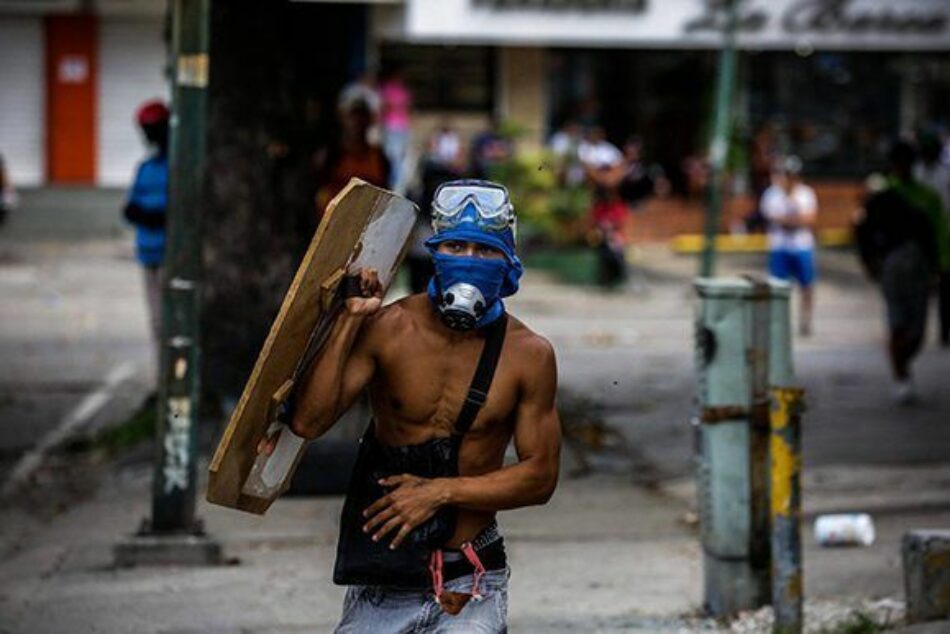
[371, 294]
[268, 443]
[411, 502]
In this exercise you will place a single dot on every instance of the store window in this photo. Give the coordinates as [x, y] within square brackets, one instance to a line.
[662, 97]
[840, 111]
[446, 78]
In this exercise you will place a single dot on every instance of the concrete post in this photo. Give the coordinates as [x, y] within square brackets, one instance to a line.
[743, 346]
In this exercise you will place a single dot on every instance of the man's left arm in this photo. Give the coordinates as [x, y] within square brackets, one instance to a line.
[537, 436]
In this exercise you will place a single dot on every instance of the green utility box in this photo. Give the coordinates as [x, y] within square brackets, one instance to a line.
[743, 346]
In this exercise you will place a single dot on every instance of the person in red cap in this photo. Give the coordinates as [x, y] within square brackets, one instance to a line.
[147, 203]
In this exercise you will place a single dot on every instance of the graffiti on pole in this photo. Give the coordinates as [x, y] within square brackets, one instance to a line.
[177, 441]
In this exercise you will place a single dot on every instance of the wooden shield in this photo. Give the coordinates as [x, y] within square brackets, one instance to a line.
[364, 226]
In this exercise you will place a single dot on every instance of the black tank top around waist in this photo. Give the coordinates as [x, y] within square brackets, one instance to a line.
[360, 560]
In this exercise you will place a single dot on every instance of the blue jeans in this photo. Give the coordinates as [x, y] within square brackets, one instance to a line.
[382, 610]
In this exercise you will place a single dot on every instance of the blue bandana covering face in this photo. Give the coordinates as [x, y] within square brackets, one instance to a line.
[493, 277]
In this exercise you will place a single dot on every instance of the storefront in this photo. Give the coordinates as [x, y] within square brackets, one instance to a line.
[834, 80]
[70, 85]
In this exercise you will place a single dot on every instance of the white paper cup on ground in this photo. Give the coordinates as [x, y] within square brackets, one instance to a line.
[844, 529]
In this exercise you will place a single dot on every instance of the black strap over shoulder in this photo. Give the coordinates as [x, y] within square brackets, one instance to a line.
[484, 373]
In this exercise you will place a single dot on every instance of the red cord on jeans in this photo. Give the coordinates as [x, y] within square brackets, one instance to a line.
[469, 551]
[435, 569]
[453, 602]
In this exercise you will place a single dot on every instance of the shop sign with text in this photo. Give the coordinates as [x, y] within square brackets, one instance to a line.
[766, 24]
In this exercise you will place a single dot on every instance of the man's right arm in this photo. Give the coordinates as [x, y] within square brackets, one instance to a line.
[345, 366]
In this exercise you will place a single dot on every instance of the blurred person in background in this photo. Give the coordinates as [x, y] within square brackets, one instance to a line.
[565, 144]
[790, 209]
[146, 208]
[353, 155]
[604, 165]
[695, 170]
[444, 152]
[900, 244]
[363, 89]
[641, 180]
[934, 173]
[8, 198]
[489, 148]
[396, 104]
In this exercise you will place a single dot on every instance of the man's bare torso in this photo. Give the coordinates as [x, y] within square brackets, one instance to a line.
[423, 372]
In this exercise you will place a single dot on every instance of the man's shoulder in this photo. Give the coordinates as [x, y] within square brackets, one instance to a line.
[528, 344]
[397, 316]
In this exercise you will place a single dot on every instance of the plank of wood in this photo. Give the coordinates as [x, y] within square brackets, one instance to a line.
[364, 226]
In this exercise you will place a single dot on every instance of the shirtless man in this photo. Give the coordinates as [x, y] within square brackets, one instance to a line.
[418, 356]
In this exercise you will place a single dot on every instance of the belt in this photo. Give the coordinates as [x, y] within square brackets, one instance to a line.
[492, 556]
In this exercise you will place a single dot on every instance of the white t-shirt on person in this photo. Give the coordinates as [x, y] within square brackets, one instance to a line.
[600, 154]
[777, 205]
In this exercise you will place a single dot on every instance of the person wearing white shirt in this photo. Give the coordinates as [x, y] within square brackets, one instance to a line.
[790, 208]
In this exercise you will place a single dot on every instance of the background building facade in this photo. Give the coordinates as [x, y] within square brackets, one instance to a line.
[72, 77]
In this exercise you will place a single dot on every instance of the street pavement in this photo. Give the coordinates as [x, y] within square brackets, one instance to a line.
[71, 312]
[614, 551]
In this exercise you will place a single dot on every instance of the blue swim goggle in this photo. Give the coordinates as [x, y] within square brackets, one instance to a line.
[492, 207]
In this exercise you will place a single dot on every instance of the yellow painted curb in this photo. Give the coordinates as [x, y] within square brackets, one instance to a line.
[688, 243]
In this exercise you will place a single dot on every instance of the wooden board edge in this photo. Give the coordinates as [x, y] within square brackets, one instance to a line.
[214, 493]
[229, 431]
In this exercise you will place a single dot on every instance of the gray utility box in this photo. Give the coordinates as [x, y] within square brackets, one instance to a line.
[743, 347]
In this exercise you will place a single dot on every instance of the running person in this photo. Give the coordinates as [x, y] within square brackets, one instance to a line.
[903, 242]
[419, 546]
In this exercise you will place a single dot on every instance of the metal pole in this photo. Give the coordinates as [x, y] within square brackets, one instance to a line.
[173, 495]
[719, 146]
[786, 510]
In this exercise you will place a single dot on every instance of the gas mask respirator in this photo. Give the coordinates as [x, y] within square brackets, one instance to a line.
[467, 291]
[461, 306]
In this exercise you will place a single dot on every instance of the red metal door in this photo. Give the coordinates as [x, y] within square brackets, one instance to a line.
[71, 65]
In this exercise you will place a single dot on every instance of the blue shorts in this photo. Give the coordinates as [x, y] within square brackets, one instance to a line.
[797, 265]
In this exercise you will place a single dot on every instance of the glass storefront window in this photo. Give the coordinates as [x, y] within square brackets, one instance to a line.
[837, 111]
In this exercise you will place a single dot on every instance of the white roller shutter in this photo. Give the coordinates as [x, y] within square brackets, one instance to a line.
[131, 71]
[22, 95]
